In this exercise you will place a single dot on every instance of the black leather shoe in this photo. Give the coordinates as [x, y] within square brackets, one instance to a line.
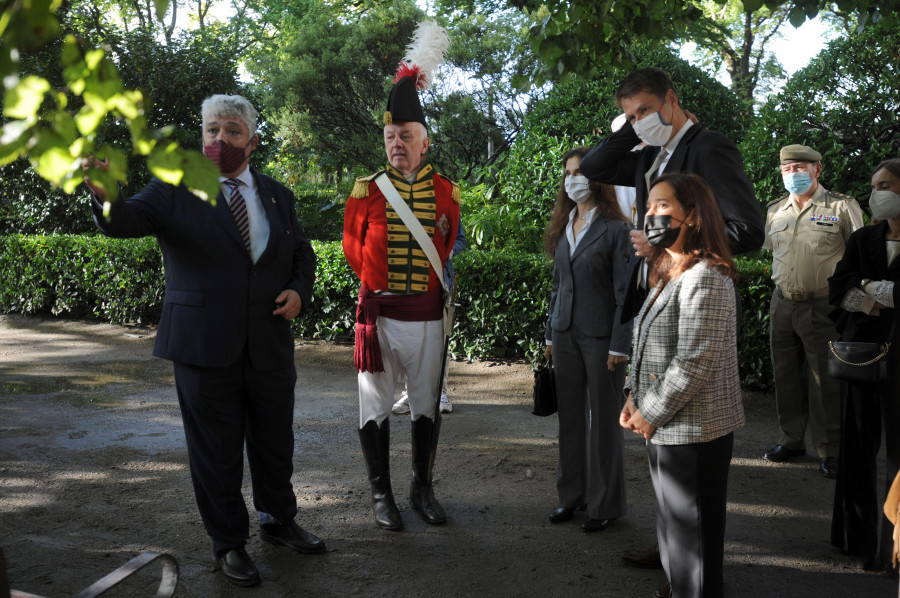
[293, 536]
[592, 525]
[560, 514]
[236, 566]
[828, 467]
[781, 453]
[664, 592]
[643, 559]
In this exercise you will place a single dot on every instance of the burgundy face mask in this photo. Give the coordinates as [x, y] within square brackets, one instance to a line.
[227, 157]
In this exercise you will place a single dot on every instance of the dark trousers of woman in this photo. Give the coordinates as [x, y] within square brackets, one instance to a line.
[690, 483]
[591, 444]
[857, 506]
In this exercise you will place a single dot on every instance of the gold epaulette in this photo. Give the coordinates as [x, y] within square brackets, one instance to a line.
[456, 193]
[841, 195]
[361, 186]
[776, 201]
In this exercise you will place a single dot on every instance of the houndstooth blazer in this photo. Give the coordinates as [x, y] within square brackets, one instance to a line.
[684, 370]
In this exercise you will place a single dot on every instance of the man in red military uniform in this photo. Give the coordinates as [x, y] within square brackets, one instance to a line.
[399, 317]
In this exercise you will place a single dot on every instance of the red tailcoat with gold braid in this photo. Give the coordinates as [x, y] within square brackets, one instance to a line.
[380, 248]
[395, 273]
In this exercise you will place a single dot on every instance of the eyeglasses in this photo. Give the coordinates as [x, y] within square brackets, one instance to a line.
[794, 167]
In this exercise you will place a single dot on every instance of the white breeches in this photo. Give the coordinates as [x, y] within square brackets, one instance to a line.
[413, 348]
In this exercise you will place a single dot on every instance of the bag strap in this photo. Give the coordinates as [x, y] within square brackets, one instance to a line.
[885, 347]
[414, 226]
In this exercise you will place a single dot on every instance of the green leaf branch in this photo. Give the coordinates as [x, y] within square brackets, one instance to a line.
[40, 124]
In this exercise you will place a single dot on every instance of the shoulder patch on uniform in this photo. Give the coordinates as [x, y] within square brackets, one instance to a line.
[361, 186]
[841, 196]
[776, 201]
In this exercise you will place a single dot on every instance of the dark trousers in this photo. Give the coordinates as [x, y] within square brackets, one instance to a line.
[222, 408]
[591, 444]
[690, 483]
[857, 507]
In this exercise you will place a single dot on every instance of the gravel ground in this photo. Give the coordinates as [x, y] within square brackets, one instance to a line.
[93, 471]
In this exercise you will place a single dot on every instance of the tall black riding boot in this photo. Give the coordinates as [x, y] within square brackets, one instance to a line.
[376, 443]
[421, 492]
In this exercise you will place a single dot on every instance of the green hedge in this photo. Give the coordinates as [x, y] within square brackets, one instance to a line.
[503, 295]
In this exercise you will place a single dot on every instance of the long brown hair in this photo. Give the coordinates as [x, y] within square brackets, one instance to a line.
[605, 196]
[705, 240]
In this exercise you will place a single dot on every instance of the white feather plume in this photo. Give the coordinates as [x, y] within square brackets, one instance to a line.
[427, 49]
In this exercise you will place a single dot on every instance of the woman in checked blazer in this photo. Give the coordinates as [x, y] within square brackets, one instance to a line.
[589, 241]
[683, 392]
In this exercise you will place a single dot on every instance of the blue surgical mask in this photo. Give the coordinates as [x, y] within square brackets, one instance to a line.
[797, 183]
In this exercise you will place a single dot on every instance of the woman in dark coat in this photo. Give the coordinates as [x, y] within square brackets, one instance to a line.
[865, 292]
[589, 240]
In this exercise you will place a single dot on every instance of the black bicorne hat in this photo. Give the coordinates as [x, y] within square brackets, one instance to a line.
[423, 56]
[403, 103]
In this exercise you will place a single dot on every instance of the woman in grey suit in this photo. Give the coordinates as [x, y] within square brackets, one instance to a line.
[683, 392]
[591, 248]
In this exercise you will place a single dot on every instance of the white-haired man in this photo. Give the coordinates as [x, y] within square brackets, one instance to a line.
[399, 326]
[237, 273]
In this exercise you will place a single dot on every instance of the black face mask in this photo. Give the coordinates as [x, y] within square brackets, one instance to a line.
[659, 231]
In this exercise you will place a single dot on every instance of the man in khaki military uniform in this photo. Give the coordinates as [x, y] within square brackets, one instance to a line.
[806, 231]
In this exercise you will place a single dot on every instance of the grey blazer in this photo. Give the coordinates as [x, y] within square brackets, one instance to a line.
[588, 289]
[684, 369]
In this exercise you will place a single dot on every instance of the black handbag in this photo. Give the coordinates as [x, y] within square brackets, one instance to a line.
[858, 362]
[544, 392]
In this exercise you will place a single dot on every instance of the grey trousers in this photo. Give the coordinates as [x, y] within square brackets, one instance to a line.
[690, 483]
[591, 444]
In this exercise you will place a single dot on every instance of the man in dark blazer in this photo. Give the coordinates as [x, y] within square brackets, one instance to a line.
[651, 106]
[237, 272]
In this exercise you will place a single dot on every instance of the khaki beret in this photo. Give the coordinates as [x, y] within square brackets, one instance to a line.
[799, 153]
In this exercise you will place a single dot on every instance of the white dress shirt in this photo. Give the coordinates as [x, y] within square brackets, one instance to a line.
[256, 214]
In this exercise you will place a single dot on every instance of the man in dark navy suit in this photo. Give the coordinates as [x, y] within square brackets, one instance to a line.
[237, 272]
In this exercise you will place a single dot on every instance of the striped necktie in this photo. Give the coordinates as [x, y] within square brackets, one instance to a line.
[239, 210]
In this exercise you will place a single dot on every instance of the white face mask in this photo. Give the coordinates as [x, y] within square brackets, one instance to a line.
[885, 204]
[578, 188]
[652, 129]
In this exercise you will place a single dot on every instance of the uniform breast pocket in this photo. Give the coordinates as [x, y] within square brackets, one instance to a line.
[780, 237]
[828, 236]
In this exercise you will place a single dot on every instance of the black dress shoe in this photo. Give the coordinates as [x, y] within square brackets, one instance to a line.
[781, 453]
[643, 559]
[560, 514]
[592, 525]
[828, 467]
[664, 592]
[236, 566]
[293, 536]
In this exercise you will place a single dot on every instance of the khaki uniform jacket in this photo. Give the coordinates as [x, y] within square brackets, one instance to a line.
[807, 245]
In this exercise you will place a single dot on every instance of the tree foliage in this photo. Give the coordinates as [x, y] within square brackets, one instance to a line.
[326, 86]
[585, 36]
[844, 104]
[730, 35]
[55, 127]
[326, 80]
[174, 79]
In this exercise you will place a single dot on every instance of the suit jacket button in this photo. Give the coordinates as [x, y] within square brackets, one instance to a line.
[653, 376]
